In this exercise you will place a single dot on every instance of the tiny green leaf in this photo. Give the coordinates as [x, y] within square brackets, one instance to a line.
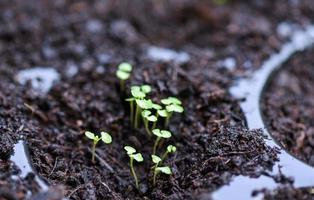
[138, 157]
[152, 118]
[146, 89]
[171, 149]
[105, 137]
[122, 75]
[90, 135]
[156, 106]
[165, 170]
[138, 94]
[165, 134]
[156, 159]
[146, 113]
[165, 101]
[126, 67]
[144, 104]
[162, 113]
[130, 150]
[130, 99]
[174, 108]
[157, 132]
[174, 100]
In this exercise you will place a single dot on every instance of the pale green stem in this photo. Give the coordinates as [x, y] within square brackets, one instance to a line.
[167, 119]
[137, 113]
[146, 126]
[155, 123]
[155, 174]
[133, 172]
[121, 85]
[94, 151]
[132, 111]
[155, 145]
[164, 156]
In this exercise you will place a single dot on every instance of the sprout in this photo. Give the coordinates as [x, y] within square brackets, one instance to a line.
[105, 137]
[123, 73]
[148, 117]
[158, 108]
[172, 105]
[133, 156]
[170, 149]
[138, 94]
[160, 134]
[166, 170]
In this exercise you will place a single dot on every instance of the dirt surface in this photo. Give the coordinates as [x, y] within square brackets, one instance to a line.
[85, 42]
[289, 106]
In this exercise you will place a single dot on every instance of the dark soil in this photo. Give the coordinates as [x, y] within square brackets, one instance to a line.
[212, 140]
[289, 106]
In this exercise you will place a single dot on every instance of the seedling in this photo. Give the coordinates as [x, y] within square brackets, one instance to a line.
[148, 117]
[133, 156]
[160, 134]
[105, 137]
[158, 108]
[138, 94]
[172, 105]
[170, 149]
[166, 170]
[123, 73]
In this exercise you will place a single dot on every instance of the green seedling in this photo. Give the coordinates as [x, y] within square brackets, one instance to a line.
[138, 94]
[166, 170]
[156, 107]
[160, 134]
[105, 137]
[123, 73]
[172, 105]
[148, 117]
[170, 149]
[133, 156]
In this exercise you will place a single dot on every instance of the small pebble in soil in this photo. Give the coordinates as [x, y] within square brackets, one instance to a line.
[167, 55]
[94, 26]
[41, 78]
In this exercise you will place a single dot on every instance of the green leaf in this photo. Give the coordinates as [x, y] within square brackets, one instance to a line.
[162, 113]
[152, 118]
[165, 101]
[162, 133]
[144, 104]
[122, 75]
[174, 108]
[165, 134]
[90, 135]
[165, 170]
[126, 67]
[146, 89]
[156, 159]
[138, 94]
[156, 106]
[138, 157]
[135, 88]
[157, 132]
[174, 100]
[105, 137]
[171, 149]
[130, 150]
[130, 99]
[146, 113]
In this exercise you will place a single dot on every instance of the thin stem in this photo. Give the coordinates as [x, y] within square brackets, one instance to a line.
[155, 174]
[168, 119]
[121, 85]
[93, 151]
[133, 172]
[136, 116]
[155, 123]
[132, 111]
[164, 156]
[155, 145]
[146, 127]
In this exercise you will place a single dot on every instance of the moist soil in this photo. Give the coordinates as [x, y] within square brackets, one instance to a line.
[85, 42]
[288, 106]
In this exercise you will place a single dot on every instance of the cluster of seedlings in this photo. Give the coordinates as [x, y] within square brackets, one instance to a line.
[152, 115]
